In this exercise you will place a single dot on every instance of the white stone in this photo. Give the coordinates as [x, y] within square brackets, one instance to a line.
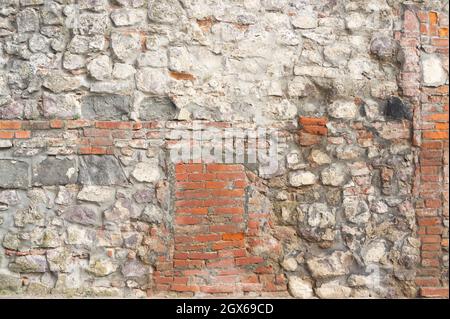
[289, 264]
[147, 172]
[343, 109]
[300, 288]
[5, 143]
[154, 81]
[126, 46]
[374, 252]
[334, 175]
[127, 17]
[100, 68]
[97, 194]
[157, 59]
[302, 178]
[336, 264]
[304, 20]
[123, 71]
[319, 157]
[433, 73]
[333, 290]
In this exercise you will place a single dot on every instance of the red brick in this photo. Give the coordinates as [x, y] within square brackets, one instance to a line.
[321, 121]
[431, 221]
[315, 129]
[434, 292]
[224, 167]
[233, 237]
[187, 220]
[436, 135]
[56, 124]
[249, 260]
[114, 125]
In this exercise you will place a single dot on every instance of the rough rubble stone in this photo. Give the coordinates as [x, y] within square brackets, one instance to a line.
[63, 106]
[27, 20]
[147, 172]
[29, 264]
[127, 17]
[302, 178]
[343, 109]
[100, 68]
[300, 288]
[333, 290]
[156, 108]
[337, 264]
[334, 175]
[97, 194]
[14, 174]
[55, 171]
[9, 282]
[101, 170]
[152, 81]
[105, 107]
[57, 82]
[165, 11]
[126, 46]
[81, 215]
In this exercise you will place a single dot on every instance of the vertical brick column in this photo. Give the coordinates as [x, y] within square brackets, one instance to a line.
[427, 33]
[213, 233]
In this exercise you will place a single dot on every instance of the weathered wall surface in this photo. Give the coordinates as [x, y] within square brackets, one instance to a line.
[96, 96]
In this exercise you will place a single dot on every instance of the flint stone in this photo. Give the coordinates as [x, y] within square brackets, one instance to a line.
[97, 194]
[64, 106]
[126, 46]
[55, 171]
[300, 288]
[101, 170]
[144, 196]
[29, 264]
[157, 108]
[13, 174]
[81, 215]
[302, 178]
[337, 264]
[334, 175]
[105, 107]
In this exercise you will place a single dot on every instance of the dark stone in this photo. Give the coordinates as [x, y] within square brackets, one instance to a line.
[13, 174]
[105, 107]
[396, 109]
[144, 196]
[55, 171]
[157, 108]
[81, 215]
[101, 170]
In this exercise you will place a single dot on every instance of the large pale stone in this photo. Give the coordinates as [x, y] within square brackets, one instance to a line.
[334, 175]
[127, 17]
[356, 210]
[58, 81]
[300, 288]
[126, 46]
[9, 282]
[320, 215]
[165, 11]
[307, 20]
[433, 73]
[29, 264]
[147, 172]
[97, 194]
[333, 290]
[154, 81]
[100, 68]
[343, 109]
[337, 264]
[301, 178]
[27, 20]
[374, 252]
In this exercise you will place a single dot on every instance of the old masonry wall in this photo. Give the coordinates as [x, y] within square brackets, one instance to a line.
[349, 100]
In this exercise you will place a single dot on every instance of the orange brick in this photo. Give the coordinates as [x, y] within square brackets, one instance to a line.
[233, 236]
[433, 16]
[443, 32]
[436, 135]
[114, 125]
[22, 134]
[439, 42]
[6, 134]
[10, 125]
[315, 129]
[56, 124]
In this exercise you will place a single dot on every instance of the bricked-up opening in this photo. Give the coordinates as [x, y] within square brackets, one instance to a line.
[214, 233]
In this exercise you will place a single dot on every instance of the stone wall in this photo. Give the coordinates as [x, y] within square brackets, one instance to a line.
[349, 100]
